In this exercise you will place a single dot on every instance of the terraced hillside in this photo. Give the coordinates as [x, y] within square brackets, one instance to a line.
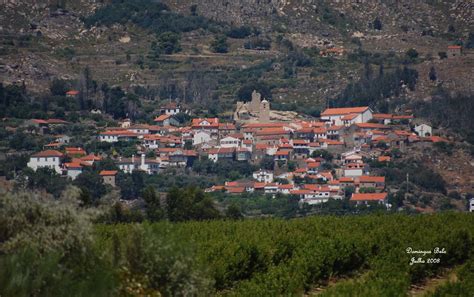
[47, 39]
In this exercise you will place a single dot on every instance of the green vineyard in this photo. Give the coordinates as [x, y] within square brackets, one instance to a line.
[374, 255]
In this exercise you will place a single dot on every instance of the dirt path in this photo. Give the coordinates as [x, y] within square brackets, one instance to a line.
[430, 285]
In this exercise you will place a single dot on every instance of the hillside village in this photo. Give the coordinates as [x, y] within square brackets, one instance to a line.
[314, 160]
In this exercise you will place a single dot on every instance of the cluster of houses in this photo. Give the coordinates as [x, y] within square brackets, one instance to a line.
[353, 134]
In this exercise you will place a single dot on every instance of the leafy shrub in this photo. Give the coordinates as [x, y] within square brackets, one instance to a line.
[219, 45]
[239, 32]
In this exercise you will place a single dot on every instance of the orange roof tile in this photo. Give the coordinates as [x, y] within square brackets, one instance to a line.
[371, 179]
[372, 126]
[73, 165]
[368, 196]
[72, 93]
[236, 190]
[162, 118]
[349, 117]
[48, 153]
[344, 110]
[108, 172]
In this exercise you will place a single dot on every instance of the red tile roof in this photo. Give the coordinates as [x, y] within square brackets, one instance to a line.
[272, 131]
[226, 126]
[201, 123]
[91, 157]
[236, 190]
[162, 118]
[436, 139]
[372, 126]
[72, 165]
[371, 179]
[48, 153]
[349, 117]
[344, 110]
[368, 196]
[72, 93]
[120, 133]
[346, 180]
[108, 172]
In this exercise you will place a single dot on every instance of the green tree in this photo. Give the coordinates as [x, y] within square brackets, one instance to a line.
[153, 205]
[326, 155]
[412, 53]
[168, 43]
[233, 212]
[92, 183]
[220, 45]
[59, 87]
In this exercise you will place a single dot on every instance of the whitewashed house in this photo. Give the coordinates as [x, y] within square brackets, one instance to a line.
[471, 205]
[73, 169]
[354, 169]
[46, 159]
[263, 176]
[366, 198]
[424, 130]
[116, 136]
[229, 141]
[201, 137]
[150, 166]
[347, 116]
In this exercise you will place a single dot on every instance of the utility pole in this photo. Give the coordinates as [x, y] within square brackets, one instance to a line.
[406, 193]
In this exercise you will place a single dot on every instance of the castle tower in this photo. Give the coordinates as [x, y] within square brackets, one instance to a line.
[254, 105]
[264, 113]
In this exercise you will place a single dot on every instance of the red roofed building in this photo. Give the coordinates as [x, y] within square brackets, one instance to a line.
[171, 108]
[366, 198]
[205, 123]
[383, 159]
[117, 135]
[90, 159]
[72, 93]
[384, 118]
[109, 176]
[73, 169]
[376, 182]
[347, 115]
[216, 154]
[75, 152]
[371, 126]
[166, 120]
[46, 159]
[454, 51]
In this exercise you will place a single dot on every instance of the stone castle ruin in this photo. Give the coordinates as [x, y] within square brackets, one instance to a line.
[257, 109]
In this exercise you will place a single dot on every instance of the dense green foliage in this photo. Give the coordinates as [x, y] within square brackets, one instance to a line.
[49, 249]
[148, 14]
[373, 89]
[274, 257]
[220, 45]
[447, 111]
[419, 174]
